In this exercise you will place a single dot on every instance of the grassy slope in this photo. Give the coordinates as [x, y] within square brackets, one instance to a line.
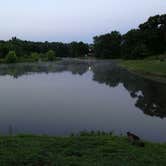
[152, 69]
[78, 151]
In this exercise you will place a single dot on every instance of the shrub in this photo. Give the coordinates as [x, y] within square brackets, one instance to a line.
[51, 55]
[11, 57]
[35, 56]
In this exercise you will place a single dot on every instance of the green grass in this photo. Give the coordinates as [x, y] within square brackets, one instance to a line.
[151, 67]
[87, 150]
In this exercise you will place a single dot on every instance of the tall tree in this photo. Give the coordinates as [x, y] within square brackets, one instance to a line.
[108, 45]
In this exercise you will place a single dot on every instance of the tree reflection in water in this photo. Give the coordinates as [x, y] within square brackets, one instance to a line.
[150, 96]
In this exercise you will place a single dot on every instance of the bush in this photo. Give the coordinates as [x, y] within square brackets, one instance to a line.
[51, 55]
[11, 57]
[35, 56]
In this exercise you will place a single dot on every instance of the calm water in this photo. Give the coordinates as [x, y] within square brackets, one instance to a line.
[72, 96]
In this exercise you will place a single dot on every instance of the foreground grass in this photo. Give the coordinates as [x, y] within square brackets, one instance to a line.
[151, 68]
[88, 150]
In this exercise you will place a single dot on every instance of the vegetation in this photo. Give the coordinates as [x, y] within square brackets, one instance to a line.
[148, 67]
[78, 49]
[11, 57]
[108, 45]
[86, 149]
[148, 40]
[51, 55]
[35, 56]
[33, 51]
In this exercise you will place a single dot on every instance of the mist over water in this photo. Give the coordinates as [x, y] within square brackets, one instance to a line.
[75, 95]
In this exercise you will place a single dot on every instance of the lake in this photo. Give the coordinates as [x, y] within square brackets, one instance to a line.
[71, 95]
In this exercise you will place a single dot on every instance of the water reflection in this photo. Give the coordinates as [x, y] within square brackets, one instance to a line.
[17, 70]
[150, 96]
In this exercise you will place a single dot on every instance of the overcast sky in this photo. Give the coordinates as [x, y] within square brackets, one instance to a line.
[73, 20]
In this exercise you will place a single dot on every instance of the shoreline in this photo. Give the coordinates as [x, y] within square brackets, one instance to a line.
[139, 67]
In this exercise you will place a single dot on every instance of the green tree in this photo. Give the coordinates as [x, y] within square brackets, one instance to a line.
[35, 56]
[11, 57]
[154, 30]
[51, 55]
[108, 45]
[133, 45]
[78, 49]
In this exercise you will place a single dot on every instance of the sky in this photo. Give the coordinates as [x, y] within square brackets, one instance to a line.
[73, 20]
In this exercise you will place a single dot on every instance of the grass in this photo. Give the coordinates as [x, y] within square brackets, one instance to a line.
[147, 67]
[82, 150]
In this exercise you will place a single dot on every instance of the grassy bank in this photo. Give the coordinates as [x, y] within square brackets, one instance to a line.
[154, 69]
[87, 150]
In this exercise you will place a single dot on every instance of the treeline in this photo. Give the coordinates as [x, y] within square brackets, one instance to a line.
[41, 50]
[148, 40]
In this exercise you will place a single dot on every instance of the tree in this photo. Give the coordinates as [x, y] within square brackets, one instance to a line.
[11, 57]
[155, 33]
[149, 39]
[108, 45]
[133, 45]
[51, 55]
[4, 49]
[78, 49]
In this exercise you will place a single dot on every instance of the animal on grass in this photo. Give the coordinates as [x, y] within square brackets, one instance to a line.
[135, 140]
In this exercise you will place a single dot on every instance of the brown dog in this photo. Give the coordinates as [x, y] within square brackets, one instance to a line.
[135, 140]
